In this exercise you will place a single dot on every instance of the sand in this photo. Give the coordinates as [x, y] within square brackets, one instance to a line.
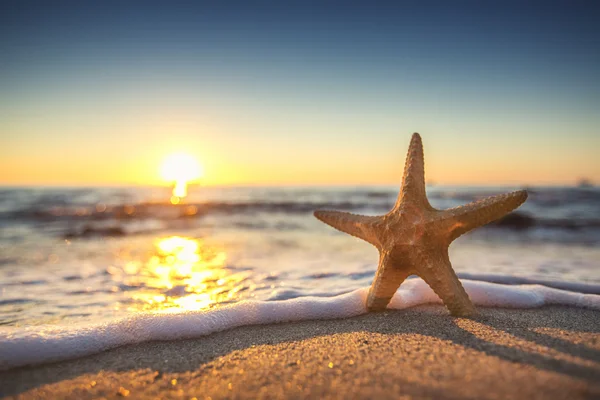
[548, 353]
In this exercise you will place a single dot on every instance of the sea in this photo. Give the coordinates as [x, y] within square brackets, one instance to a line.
[83, 263]
[88, 254]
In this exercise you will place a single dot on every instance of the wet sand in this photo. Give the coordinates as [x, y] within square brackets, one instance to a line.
[548, 353]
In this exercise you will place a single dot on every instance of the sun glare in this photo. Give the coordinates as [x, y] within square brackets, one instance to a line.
[180, 169]
[183, 274]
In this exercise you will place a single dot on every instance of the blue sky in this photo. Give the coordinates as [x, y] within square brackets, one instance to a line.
[299, 92]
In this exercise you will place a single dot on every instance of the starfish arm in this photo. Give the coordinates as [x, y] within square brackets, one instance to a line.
[462, 219]
[388, 279]
[359, 226]
[436, 270]
[413, 181]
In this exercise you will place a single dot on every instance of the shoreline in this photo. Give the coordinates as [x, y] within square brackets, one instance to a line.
[551, 352]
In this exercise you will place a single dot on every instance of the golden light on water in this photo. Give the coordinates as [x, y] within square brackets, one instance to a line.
[180, 169]
[182, 274]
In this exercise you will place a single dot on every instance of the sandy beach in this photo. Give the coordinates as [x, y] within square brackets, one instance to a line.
[553, 352]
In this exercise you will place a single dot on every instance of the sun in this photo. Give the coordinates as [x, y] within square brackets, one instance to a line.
[179, 169]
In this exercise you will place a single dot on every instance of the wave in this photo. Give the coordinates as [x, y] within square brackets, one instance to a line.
[563, 214]
[36, 345]
[124, 220]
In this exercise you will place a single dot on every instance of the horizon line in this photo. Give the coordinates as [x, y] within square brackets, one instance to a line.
[580, 183]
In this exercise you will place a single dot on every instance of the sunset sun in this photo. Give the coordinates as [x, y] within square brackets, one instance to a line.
[180, 169]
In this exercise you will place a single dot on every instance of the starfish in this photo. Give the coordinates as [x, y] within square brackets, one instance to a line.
[413, 238]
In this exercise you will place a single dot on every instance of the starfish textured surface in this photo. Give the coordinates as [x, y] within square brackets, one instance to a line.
[413, 238]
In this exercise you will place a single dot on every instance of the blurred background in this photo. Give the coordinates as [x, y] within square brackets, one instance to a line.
[169, 156]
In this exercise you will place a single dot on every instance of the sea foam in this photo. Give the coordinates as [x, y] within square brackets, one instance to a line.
[36, 345]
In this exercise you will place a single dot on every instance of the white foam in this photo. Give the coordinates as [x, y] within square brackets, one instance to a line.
[582, 287]
[487, 294]
[35, 345]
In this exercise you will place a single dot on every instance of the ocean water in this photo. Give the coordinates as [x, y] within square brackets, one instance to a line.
[84, 270]
[92, 255]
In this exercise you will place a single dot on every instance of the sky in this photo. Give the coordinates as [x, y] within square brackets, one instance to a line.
[299, 93]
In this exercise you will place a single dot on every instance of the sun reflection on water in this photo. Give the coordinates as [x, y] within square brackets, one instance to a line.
[182, 274]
